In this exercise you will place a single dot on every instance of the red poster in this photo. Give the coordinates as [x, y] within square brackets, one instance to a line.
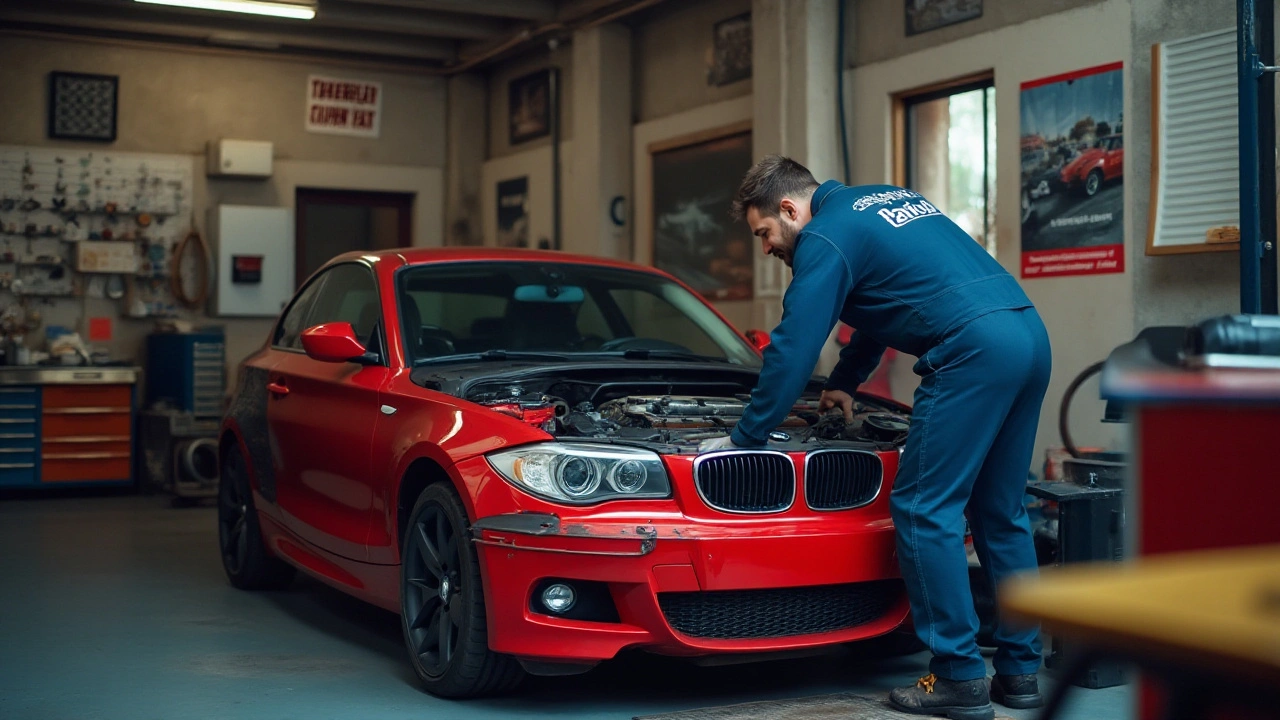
[1073, 173]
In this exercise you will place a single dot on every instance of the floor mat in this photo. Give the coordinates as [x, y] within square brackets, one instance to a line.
[838, 706]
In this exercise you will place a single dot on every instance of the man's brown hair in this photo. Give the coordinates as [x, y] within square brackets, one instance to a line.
[770, 180]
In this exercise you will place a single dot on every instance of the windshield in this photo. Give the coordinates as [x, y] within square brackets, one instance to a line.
[456, 310]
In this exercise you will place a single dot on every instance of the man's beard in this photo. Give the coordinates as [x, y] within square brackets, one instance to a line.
[789, 235]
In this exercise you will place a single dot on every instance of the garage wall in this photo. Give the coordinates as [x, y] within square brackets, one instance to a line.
[1086, 316]
[707, 117]
[174, 101]
[879, 26]
[673, 53]
[426, 183]
[1171, 289]
[535, 165]
[502, 74]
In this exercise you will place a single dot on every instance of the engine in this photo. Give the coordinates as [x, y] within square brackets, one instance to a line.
[683, 419]
[627, 409]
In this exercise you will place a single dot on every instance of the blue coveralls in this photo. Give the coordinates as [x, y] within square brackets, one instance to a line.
[888, 263]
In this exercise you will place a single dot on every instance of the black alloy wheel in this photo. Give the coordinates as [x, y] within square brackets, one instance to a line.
[244, 557]
[442, 603]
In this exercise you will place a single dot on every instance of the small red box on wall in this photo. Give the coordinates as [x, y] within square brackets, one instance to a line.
[246, 269]
[100, 329]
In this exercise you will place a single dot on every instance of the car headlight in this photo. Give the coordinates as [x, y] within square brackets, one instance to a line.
[583, 474]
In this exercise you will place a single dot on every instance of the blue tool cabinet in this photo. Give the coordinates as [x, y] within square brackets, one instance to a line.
[187, 371]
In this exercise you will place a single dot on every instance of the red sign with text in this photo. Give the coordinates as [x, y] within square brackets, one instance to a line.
[1073, 261]
[344, 107]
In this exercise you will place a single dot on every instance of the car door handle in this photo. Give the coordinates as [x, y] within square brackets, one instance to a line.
[277, 388]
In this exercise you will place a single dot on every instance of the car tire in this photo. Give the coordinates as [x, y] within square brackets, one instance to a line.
[1093, 183]
[244, 555]
[440, 584]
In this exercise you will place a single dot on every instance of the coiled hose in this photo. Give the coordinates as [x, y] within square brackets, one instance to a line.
[192, 240]
[1064, 410]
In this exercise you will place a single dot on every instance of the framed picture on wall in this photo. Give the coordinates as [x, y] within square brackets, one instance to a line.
[1073, 173]
[926, 15]
[731, 54]
[513, 212]
[694, 180]
[82, 106]
[530, 100]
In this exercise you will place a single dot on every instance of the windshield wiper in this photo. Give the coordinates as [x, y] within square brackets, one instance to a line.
[498, 355]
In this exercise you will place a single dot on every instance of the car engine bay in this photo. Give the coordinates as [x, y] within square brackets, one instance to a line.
[632, 412]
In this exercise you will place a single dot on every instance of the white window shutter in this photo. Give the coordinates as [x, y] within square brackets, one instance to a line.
[1198, 174]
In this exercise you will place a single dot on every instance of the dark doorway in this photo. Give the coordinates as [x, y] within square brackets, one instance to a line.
[333, 222]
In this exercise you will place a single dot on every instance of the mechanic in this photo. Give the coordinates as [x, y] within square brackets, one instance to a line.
[886, 261]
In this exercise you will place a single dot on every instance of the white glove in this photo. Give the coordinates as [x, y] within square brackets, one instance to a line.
[720, 443]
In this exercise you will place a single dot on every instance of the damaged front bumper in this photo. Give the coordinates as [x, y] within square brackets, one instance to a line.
[647, 566]
[520, 531]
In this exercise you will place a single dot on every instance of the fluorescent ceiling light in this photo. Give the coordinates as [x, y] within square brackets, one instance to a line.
[299, 11]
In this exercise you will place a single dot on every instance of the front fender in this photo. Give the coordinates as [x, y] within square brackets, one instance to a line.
[444, 431]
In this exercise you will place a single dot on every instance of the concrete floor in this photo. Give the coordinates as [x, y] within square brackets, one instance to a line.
[117, 607]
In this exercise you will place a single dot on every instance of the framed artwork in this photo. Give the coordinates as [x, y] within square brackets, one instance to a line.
[926, 15]
[513, 212]
[731, 52]
[694, 180]
[83, 107]
[529, 105]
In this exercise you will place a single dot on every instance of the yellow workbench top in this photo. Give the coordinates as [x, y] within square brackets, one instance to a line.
[1215, 610]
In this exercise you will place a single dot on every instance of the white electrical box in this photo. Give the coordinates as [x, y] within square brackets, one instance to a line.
[255, 256]
[239, 158]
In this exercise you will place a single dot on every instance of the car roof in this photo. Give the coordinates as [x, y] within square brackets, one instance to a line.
[427, 256]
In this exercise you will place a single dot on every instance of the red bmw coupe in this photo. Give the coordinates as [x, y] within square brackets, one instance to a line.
[501, 447]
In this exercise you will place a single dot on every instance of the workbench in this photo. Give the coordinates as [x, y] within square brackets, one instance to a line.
[67, 426]
[1205, 625]
[1203, 477]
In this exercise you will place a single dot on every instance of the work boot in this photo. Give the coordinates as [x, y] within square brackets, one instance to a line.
[1016, 691]
[955, 699]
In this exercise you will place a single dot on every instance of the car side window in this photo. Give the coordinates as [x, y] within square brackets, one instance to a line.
[350, 294]
[289, 333]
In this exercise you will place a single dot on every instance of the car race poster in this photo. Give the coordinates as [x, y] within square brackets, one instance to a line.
[1073, 173]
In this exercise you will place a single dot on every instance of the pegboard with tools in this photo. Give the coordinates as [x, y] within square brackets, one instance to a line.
[77, 223]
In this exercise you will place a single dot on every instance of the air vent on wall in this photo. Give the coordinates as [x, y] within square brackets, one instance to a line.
[1195, 129]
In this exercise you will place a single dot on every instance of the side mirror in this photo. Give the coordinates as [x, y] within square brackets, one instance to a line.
[332, 342]
[759, 339]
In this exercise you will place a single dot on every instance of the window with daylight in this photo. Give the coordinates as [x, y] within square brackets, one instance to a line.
[945, 149]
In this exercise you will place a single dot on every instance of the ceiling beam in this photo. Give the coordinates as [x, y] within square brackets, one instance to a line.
[539, 10]
[408, 22]
[572, 15]
[228, 32]
[573, 10]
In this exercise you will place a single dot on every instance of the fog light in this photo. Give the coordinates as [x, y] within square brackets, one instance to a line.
[558, 598]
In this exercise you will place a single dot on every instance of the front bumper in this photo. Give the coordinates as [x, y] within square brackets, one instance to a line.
[641, 555]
